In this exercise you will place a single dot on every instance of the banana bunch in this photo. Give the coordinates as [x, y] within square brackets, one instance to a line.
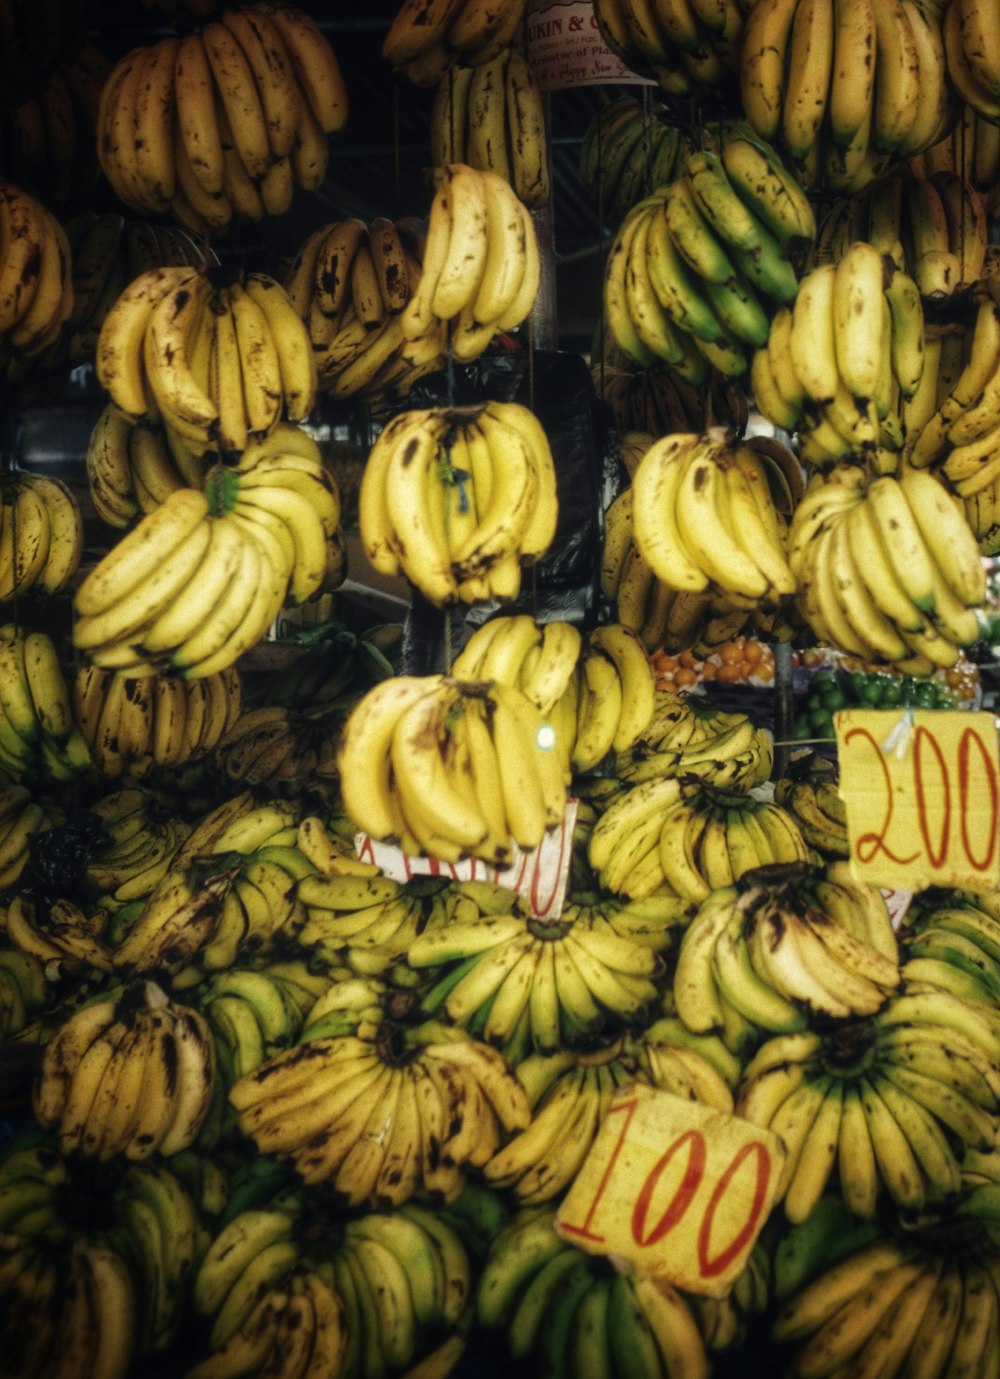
[661, 399]
[252, 1013]
[628, 148]
[277, 747]
[683, 47]
[970, 53]
[80, 1310]
[901, 1095]
[130, 1073]
[537, 658]
[426, 39]
[458, 501]
[972, 150]
[703, 519]
[563, 1312]
[239, 823]
[525, 984]
[611, 699]
[331, 669]
[492, 117]
[889, 571]
[133, 726]
[36, 279]
[33, 1181]
[108, 253]
[39, 737]
[700, 265]
[846, 89]
[24, 993]
[842, 362]
[785, 949]
[902, 1306]
[725, 1322]
[685, 738]
[808, 791]
[181, 917]
[381, 1109]
[137, 843]
[219, 366]
[952, 947]
[223, 122]
[365, 923]
[22, 816]
[451, 768]
[134, 466]
[59, 933]
[41, 534]
[480, 268]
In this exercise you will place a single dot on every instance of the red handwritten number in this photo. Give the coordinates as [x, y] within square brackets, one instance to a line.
[921, 736]
[681, 1200]
[877, 840]
[968, 737]
[711, 1268]
[629, 1108]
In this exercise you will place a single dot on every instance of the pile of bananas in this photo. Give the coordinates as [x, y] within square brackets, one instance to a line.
[949, 940]
[970, 37]
[21, 817]
[457, 499]
[481, 267]
[39, 737]
[685, 738]
[839, 364]
[350, 282]
[492, 117]
[134, 726]
[36, 278]
[627, 148]
[888, 569]
[704, 520]
[218, 365]
[683, 47]
[258, 536]
[134, 466]
[697, 267]
[108, 253]
[59, 934]
[427, 40]
[41, 534]
[450, 768]
[846, 89]
[808, 790]
[138, 838]
[223, 122]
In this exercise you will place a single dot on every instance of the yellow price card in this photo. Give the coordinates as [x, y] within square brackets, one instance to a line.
[920, 788]
[677, 1189]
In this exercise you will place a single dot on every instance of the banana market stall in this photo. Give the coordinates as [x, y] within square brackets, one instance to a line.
[437, 444]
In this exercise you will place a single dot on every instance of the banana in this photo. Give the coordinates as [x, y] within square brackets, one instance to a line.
[238, 93]
[806, 87]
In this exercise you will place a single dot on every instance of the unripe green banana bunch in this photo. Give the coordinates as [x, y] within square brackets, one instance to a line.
[492, 117]
[808, 790]
[108, 253]
[846, 89]
[628, 147]
[842, 361]
[449, 768]
[219, 365]
[350, 282]
[558, 1304]
[970, 37]
[426, 41]
[36, 279]
[860, 593]
[950, 940]
[224, 122]
[684, 48]
[41, 534]
[458, 501]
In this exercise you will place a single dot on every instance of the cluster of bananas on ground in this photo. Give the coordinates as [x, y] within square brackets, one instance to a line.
[808, 790]
[41, 534]
[683, 47]
[704, 520]
[350, 282]
[49, 139]
[457, 500]
[130, 1074]
[481, 266]
[449, 768]
[259, 535]
[627, 150]
[426, 40]
[134, 466]
[846, 89]
[22, 816]
[698, 267]
[219, 366]
[970, 37]
[134, 726]
[223, 122]
[686, 738]
[39, 737]
[884, 1107]
[564, 1310]
[888, 569]
[492, 117]
[840, 364]
[36, 278]
[109, 252]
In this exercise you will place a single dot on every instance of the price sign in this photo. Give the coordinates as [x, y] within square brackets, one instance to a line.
[676, 1188]
[922, 794]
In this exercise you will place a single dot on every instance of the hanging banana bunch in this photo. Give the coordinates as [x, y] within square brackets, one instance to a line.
[628, 148]
[426, 40]
[683, 47]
